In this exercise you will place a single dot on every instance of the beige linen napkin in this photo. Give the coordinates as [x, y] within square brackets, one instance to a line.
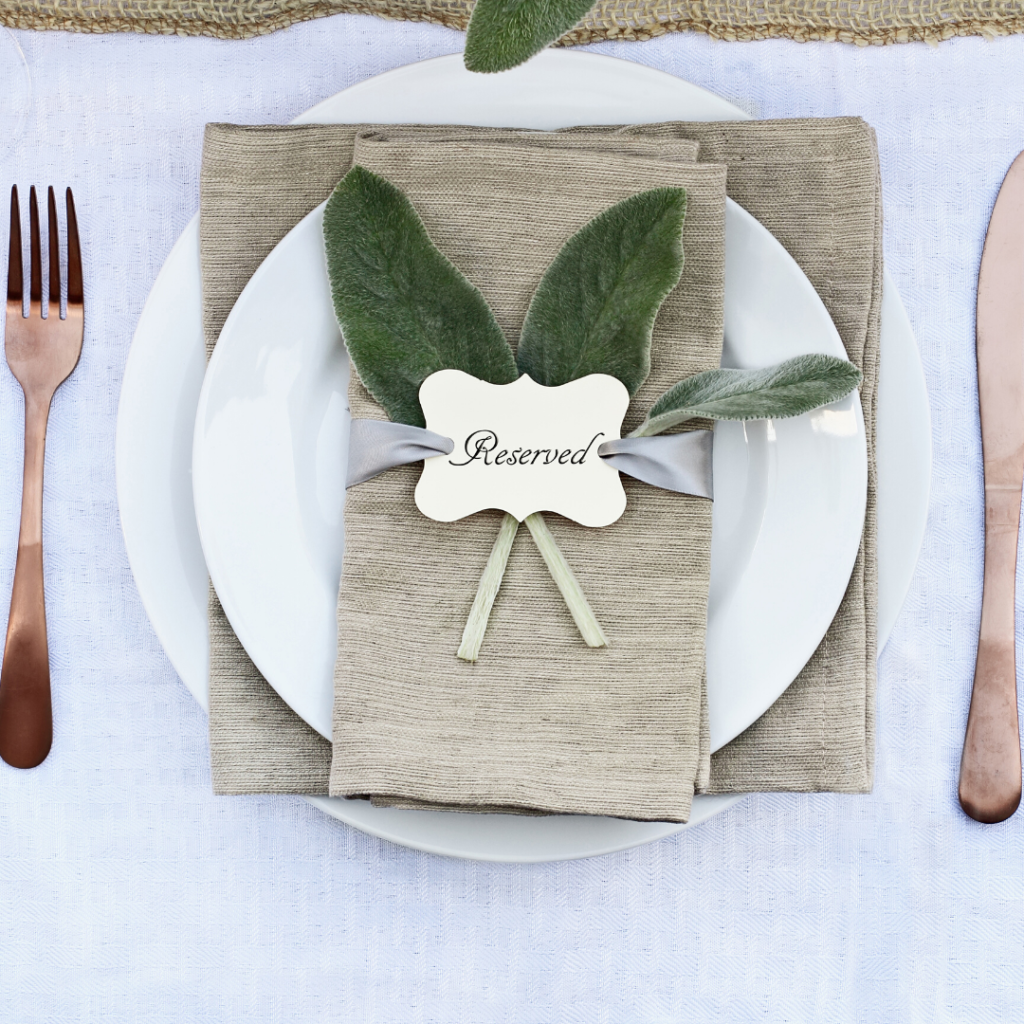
[257, 183]
[815, 185]
[541, 721]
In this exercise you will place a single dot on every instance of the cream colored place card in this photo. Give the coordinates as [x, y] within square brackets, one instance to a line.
[523, 448]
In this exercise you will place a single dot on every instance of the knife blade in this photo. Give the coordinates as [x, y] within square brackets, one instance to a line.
[990, 768]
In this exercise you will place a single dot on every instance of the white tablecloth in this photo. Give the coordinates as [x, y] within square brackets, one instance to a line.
[129, 893]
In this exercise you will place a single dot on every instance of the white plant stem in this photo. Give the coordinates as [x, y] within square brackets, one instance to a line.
[579, 608]
[487, 590]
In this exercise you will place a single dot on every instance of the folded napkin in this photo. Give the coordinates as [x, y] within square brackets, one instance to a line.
[541, 721]
[815, 185]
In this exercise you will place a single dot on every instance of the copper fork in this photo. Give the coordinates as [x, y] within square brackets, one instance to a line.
[41, 352]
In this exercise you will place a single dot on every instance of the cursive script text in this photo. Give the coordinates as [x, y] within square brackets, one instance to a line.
[482, 445]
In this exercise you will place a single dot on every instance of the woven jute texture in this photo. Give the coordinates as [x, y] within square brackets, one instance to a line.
[864, 22]
[815, 185]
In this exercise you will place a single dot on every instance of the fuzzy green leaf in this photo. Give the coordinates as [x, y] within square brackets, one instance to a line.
[404, 309]
[594, 310]
[777, 392]
[504, 33]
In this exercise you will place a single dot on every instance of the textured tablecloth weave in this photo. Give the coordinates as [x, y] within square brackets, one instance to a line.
[815, 184]
[852, 21]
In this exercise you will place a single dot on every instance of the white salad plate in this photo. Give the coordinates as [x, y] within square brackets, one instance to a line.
[164, 376]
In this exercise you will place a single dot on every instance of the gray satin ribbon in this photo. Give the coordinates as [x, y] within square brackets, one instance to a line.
[377, 445]
[676, 462]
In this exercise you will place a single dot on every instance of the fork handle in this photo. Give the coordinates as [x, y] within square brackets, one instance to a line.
[26, 716]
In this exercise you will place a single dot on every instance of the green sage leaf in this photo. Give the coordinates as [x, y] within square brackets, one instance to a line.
[404, 309]
[594, 309]
[504, 33]
[777, 392]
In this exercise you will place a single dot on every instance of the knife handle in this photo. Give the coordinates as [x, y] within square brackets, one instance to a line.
[990, 769]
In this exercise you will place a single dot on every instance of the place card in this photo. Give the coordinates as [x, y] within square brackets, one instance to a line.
[523, 447]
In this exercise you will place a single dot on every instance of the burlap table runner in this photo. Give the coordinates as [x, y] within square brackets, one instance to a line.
[853, 21]
[815, 185]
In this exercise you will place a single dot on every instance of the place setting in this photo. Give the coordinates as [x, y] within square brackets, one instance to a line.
[512, 510]
[504, 680]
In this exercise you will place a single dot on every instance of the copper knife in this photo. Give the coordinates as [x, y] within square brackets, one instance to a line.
[990, 769]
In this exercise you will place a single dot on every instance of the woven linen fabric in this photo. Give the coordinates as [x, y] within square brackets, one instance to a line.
[256, 185]
[244, 169]
[247, 205]
[815, 186]
[821, 735]
[850, 21]
[540, 721]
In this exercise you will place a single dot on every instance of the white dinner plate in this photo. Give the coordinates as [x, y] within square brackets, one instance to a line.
[270, 457]
[165, 369]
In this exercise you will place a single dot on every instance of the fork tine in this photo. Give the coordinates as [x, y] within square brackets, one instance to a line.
[51, 220]
[74, 255]
[36, 286]
[14, 253]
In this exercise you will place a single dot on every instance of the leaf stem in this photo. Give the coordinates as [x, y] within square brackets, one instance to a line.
[562, 574]
[487, 590]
